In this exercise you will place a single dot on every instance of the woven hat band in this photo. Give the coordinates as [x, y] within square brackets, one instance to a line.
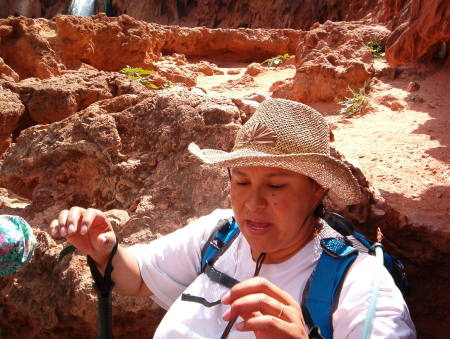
[289, 128]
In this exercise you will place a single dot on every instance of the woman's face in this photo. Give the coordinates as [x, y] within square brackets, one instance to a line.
[271, 207]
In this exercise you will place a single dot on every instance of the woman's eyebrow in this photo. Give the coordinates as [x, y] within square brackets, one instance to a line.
[237, 172]
[283, 175]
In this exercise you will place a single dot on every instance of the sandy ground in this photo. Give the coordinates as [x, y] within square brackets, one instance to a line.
[232, 85]
[403, 151]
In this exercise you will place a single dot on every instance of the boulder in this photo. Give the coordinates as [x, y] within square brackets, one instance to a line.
[7, 73]
[254, 69]
[59, 97]
[127, 156]
[331, 58]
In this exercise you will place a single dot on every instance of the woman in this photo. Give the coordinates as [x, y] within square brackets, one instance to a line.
[281, 169]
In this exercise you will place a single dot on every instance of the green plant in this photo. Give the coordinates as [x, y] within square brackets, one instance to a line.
[376, 49]
[143, 76]
[352, 105]
[276, 61]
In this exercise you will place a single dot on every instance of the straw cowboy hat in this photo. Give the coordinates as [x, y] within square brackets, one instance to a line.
[289, 135]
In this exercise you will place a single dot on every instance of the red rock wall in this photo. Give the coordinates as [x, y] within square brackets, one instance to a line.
[249, 13]
[43, 48]
[423, 34]
[420, 25]
[225, 13]
[32, 8]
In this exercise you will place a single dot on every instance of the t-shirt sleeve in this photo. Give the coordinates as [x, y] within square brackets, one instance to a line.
[392, 319]
[171, 263]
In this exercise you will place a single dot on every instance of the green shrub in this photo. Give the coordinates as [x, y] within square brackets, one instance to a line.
[276, 61]
[376, 49]
[352, 105]
[143, 76]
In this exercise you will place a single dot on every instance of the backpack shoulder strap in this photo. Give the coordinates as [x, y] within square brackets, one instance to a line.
[220, 239]
[325, 283]
[360, 242]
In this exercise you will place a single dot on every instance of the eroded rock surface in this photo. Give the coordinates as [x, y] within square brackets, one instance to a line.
[11, 110]
[44, 48]
[331, 58]
[127, 153]
[59, 97]
[407, 17]
[425, 33]
[251, 13]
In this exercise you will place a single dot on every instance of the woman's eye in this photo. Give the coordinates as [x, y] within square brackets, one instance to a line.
[276, 186]
[241, 183]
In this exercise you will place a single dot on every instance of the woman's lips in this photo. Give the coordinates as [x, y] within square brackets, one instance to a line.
[257, 227]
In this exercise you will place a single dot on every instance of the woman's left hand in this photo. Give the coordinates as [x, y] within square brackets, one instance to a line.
[266, 309]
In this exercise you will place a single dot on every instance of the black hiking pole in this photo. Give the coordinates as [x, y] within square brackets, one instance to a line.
[105, 314]
[104, 285]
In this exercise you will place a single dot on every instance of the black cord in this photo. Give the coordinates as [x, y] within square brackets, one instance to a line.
[104, 285]
[259, 263]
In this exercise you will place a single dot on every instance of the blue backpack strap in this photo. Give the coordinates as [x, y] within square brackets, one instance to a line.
[225, 232]
[325, 283]
[362, 244]
[394, 266]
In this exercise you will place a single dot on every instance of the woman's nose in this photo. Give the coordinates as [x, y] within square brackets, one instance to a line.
[256, 200]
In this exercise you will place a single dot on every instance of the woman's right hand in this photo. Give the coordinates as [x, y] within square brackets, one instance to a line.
[88, 230]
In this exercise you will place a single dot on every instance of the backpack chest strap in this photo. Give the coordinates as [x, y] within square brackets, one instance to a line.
[220, 277]
[325, 283]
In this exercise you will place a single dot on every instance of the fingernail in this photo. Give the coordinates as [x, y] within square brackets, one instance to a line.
[63, 231]
[240, 326]
[71, 228]
[226, 298]
[104, 239]
[53, 231]
[226, 315]
[83, 230]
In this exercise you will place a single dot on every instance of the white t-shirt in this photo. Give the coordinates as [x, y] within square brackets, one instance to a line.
[170, 266]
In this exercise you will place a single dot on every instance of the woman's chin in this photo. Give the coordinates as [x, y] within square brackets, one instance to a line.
[259, 246]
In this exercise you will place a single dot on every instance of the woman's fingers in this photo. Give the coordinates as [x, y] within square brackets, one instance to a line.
[266, 309]
[62, 218]
[258, 302]
[256, 285]
[262, 323]
[95, 219]
[72, 220]
[54, 228]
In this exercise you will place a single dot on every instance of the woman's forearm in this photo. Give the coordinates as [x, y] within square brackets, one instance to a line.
[126, 274]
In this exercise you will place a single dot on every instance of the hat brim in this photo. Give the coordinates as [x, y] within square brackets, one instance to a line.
[329, 172]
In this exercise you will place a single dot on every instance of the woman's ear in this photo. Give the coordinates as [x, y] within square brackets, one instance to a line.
[319, 193]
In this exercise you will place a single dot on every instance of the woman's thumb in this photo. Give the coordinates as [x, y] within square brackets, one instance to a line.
[106, 240]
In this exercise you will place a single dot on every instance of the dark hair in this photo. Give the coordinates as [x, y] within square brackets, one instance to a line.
[320, 211]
